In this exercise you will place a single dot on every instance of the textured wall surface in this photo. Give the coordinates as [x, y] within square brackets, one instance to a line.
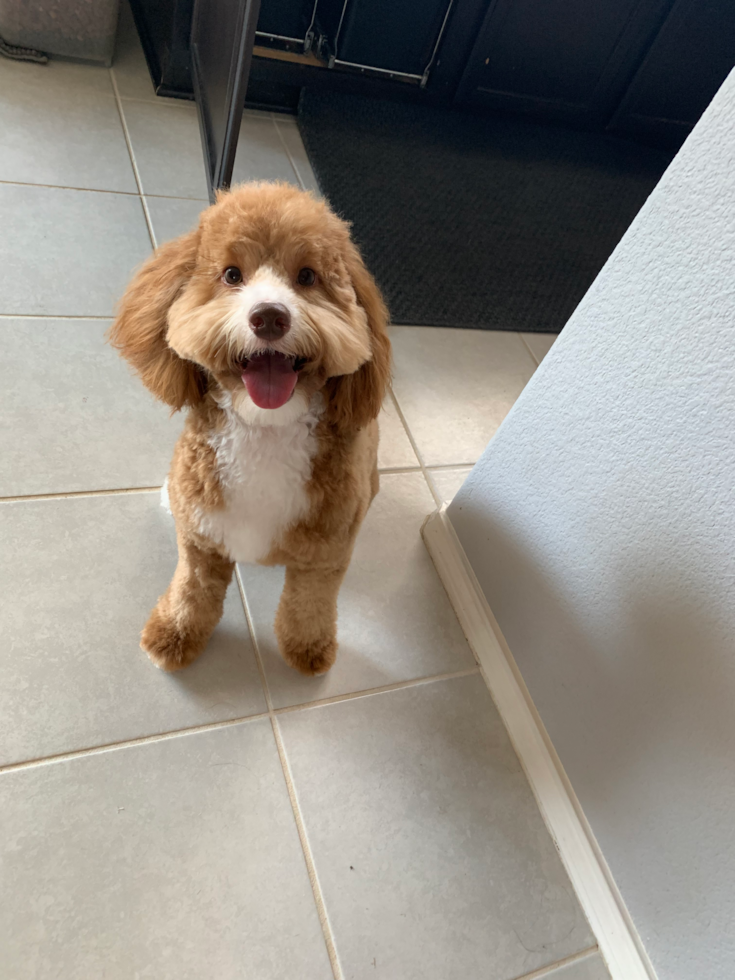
[601, 525]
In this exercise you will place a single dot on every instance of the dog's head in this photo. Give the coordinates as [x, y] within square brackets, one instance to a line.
[268, 300]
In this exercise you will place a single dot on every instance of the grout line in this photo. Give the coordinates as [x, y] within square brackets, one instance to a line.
[390, 470]
[149, 221]
[133, 163]
[308, 856]
[293, 798]
[429, 482]
[77, 493]
[256, 648]
[274, 713]
[337, 698]
[387, 688]
[288, 152]
[68, 187]
[271, 713]
[449, 466]
[128, 743]
[528, 348]
[160, 100]
[177, 197]
[546, 971]
[98, 190]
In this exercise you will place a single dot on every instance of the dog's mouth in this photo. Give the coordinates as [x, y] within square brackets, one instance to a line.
[271, 377]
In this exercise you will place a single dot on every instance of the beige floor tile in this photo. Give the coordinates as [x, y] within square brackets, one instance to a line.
[433, 858]
[167, 148]
[67, 252]
[455, 387]
[174, 860]
[394, 450]
[168, 152]
[294, 144]
[447, 482]
[173, 216]
[395, 620]
[59, 124]
[539, 343]
[76, 418]
[260, 152]
[78, 579]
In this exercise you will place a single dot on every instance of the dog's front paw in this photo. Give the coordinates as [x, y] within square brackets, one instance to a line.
[310, 658]
[168, 647]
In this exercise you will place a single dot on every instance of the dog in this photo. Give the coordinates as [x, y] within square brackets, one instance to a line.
[265, 325]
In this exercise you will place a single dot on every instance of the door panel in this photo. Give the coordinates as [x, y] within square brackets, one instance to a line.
[687, 63]
[565, 58]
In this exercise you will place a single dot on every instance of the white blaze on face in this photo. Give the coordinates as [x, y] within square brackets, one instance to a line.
[266, 286]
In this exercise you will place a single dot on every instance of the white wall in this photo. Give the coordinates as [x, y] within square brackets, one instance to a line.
[600, 523]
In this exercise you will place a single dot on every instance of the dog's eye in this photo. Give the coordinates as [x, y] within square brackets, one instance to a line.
[232, 275]
[306, 277]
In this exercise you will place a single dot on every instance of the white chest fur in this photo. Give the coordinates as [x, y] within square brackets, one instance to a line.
[263, 471]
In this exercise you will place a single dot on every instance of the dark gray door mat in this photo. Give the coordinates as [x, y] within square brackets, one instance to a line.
[473, 220]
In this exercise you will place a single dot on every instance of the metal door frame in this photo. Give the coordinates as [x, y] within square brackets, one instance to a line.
[219, 161]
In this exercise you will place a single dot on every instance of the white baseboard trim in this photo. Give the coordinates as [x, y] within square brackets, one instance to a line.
[598, 894]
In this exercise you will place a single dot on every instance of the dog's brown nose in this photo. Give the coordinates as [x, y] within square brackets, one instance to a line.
[270, 321]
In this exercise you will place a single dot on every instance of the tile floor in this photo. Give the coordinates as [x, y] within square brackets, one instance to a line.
[235, 820]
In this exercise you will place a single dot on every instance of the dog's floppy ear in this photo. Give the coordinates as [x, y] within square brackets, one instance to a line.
[139, 330]
[353, 400]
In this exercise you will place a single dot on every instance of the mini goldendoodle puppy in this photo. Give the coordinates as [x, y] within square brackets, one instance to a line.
[265, 324]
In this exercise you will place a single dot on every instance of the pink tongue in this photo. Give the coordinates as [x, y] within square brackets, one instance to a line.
[270, 379]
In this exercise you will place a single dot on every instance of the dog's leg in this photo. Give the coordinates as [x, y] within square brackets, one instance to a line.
[306, 620]
[374, 482]
[179, 627]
